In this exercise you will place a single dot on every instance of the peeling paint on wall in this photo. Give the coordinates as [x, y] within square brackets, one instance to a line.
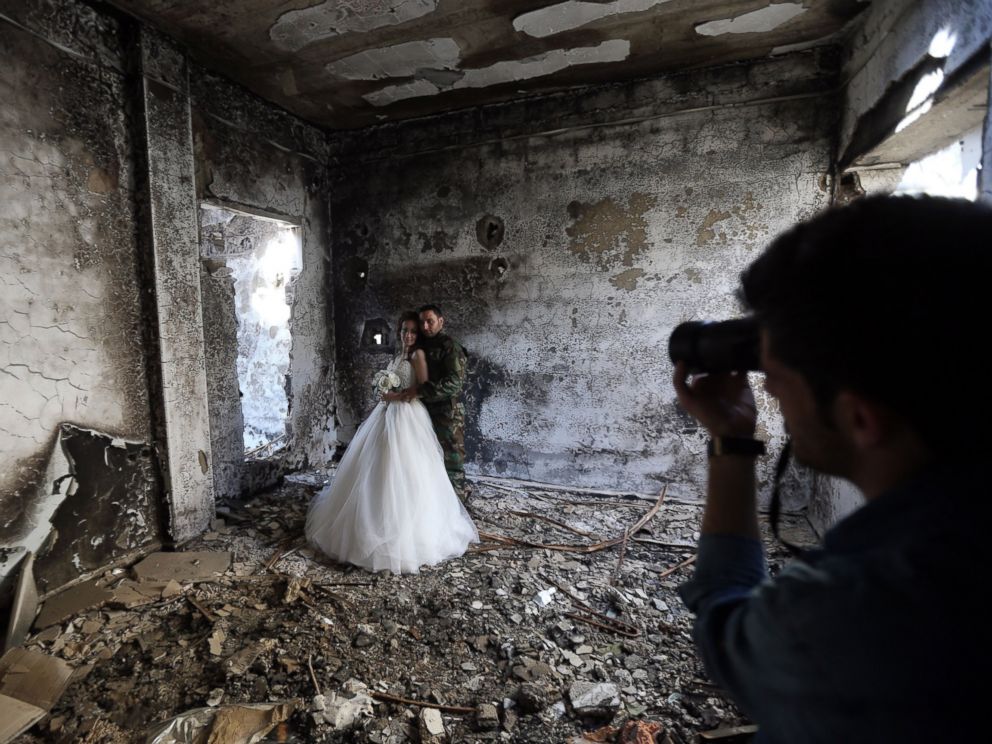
[575, 14]
[112, 505]
[719, 226]
[607, 233]
[755, 22]
[627, 279]
[297, 29]
[98, 499]
[707, 231]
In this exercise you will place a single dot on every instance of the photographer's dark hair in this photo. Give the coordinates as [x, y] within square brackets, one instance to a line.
[886, 297]
[404, 317]
[431, 308]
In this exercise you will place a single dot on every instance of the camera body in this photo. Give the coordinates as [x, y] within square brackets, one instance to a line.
[717, 346]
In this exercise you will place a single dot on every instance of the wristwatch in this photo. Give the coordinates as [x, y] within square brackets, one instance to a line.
[744, 446]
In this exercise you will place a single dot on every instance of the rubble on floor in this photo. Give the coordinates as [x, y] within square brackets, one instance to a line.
[252, 636]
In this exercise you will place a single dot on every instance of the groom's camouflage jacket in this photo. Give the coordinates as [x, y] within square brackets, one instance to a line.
[446, 366]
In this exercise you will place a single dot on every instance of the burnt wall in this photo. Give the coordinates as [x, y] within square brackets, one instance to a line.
[254, 159]
[71, 319]
[110, 139]
[564, 239]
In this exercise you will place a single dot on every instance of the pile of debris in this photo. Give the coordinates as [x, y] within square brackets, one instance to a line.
[563, 625]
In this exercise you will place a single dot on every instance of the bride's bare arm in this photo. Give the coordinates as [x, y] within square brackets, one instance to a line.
[419, 363]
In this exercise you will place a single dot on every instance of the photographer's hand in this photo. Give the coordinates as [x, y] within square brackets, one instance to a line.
[723, 403]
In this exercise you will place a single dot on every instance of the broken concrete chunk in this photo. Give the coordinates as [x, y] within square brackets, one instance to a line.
[344, 712]
[217, 642]
[431, 726]
[572, 658]
[239, 662]
[71, 602]
[533, 697]
[528, 670]
[296, 588]
[47, 635]
[544, 597]
[171, 589]
[594, 698]
[182, 566]
[487, 717]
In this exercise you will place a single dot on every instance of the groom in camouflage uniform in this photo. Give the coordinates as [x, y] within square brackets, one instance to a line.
[446, 363]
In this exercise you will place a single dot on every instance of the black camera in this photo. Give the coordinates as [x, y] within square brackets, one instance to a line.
[711, 346]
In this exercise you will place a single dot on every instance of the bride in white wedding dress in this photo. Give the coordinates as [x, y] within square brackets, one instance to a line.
[391, 505]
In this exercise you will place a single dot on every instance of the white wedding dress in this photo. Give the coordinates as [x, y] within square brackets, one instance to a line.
[390, 505]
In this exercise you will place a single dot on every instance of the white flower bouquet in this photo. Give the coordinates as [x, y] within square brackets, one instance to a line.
[385, 381]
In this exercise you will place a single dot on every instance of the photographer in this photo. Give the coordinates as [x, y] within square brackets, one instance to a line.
[871, 318]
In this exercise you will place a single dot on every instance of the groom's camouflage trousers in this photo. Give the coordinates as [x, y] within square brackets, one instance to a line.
[449, 424]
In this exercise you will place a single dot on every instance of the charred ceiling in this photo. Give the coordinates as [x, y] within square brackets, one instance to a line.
[351, 63]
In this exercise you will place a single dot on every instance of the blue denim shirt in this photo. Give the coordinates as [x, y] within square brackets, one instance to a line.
[876, 637]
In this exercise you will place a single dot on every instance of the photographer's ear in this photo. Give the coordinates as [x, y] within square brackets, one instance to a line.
[863, 421]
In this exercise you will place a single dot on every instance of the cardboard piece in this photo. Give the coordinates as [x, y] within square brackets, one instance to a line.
[25, 605]
[229, 724]
[71, 602]
[130, 594]
[30, 685]
[182, 566]
[16, 717]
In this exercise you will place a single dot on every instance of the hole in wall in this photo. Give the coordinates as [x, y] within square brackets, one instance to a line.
[951, 170]
[356, 273]
[498, 267]
[377, 335]
[490, 231]
[262, 258]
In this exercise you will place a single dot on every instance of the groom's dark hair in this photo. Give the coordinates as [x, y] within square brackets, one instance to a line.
[431, 308]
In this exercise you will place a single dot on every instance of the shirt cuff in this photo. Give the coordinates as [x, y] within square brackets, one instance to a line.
[724, 562]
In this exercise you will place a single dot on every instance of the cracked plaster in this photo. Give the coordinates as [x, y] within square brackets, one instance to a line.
[70, 334]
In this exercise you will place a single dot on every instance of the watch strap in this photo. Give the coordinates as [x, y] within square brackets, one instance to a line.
[745, 446]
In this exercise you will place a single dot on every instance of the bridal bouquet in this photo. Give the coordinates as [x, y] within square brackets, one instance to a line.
[385, 381]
